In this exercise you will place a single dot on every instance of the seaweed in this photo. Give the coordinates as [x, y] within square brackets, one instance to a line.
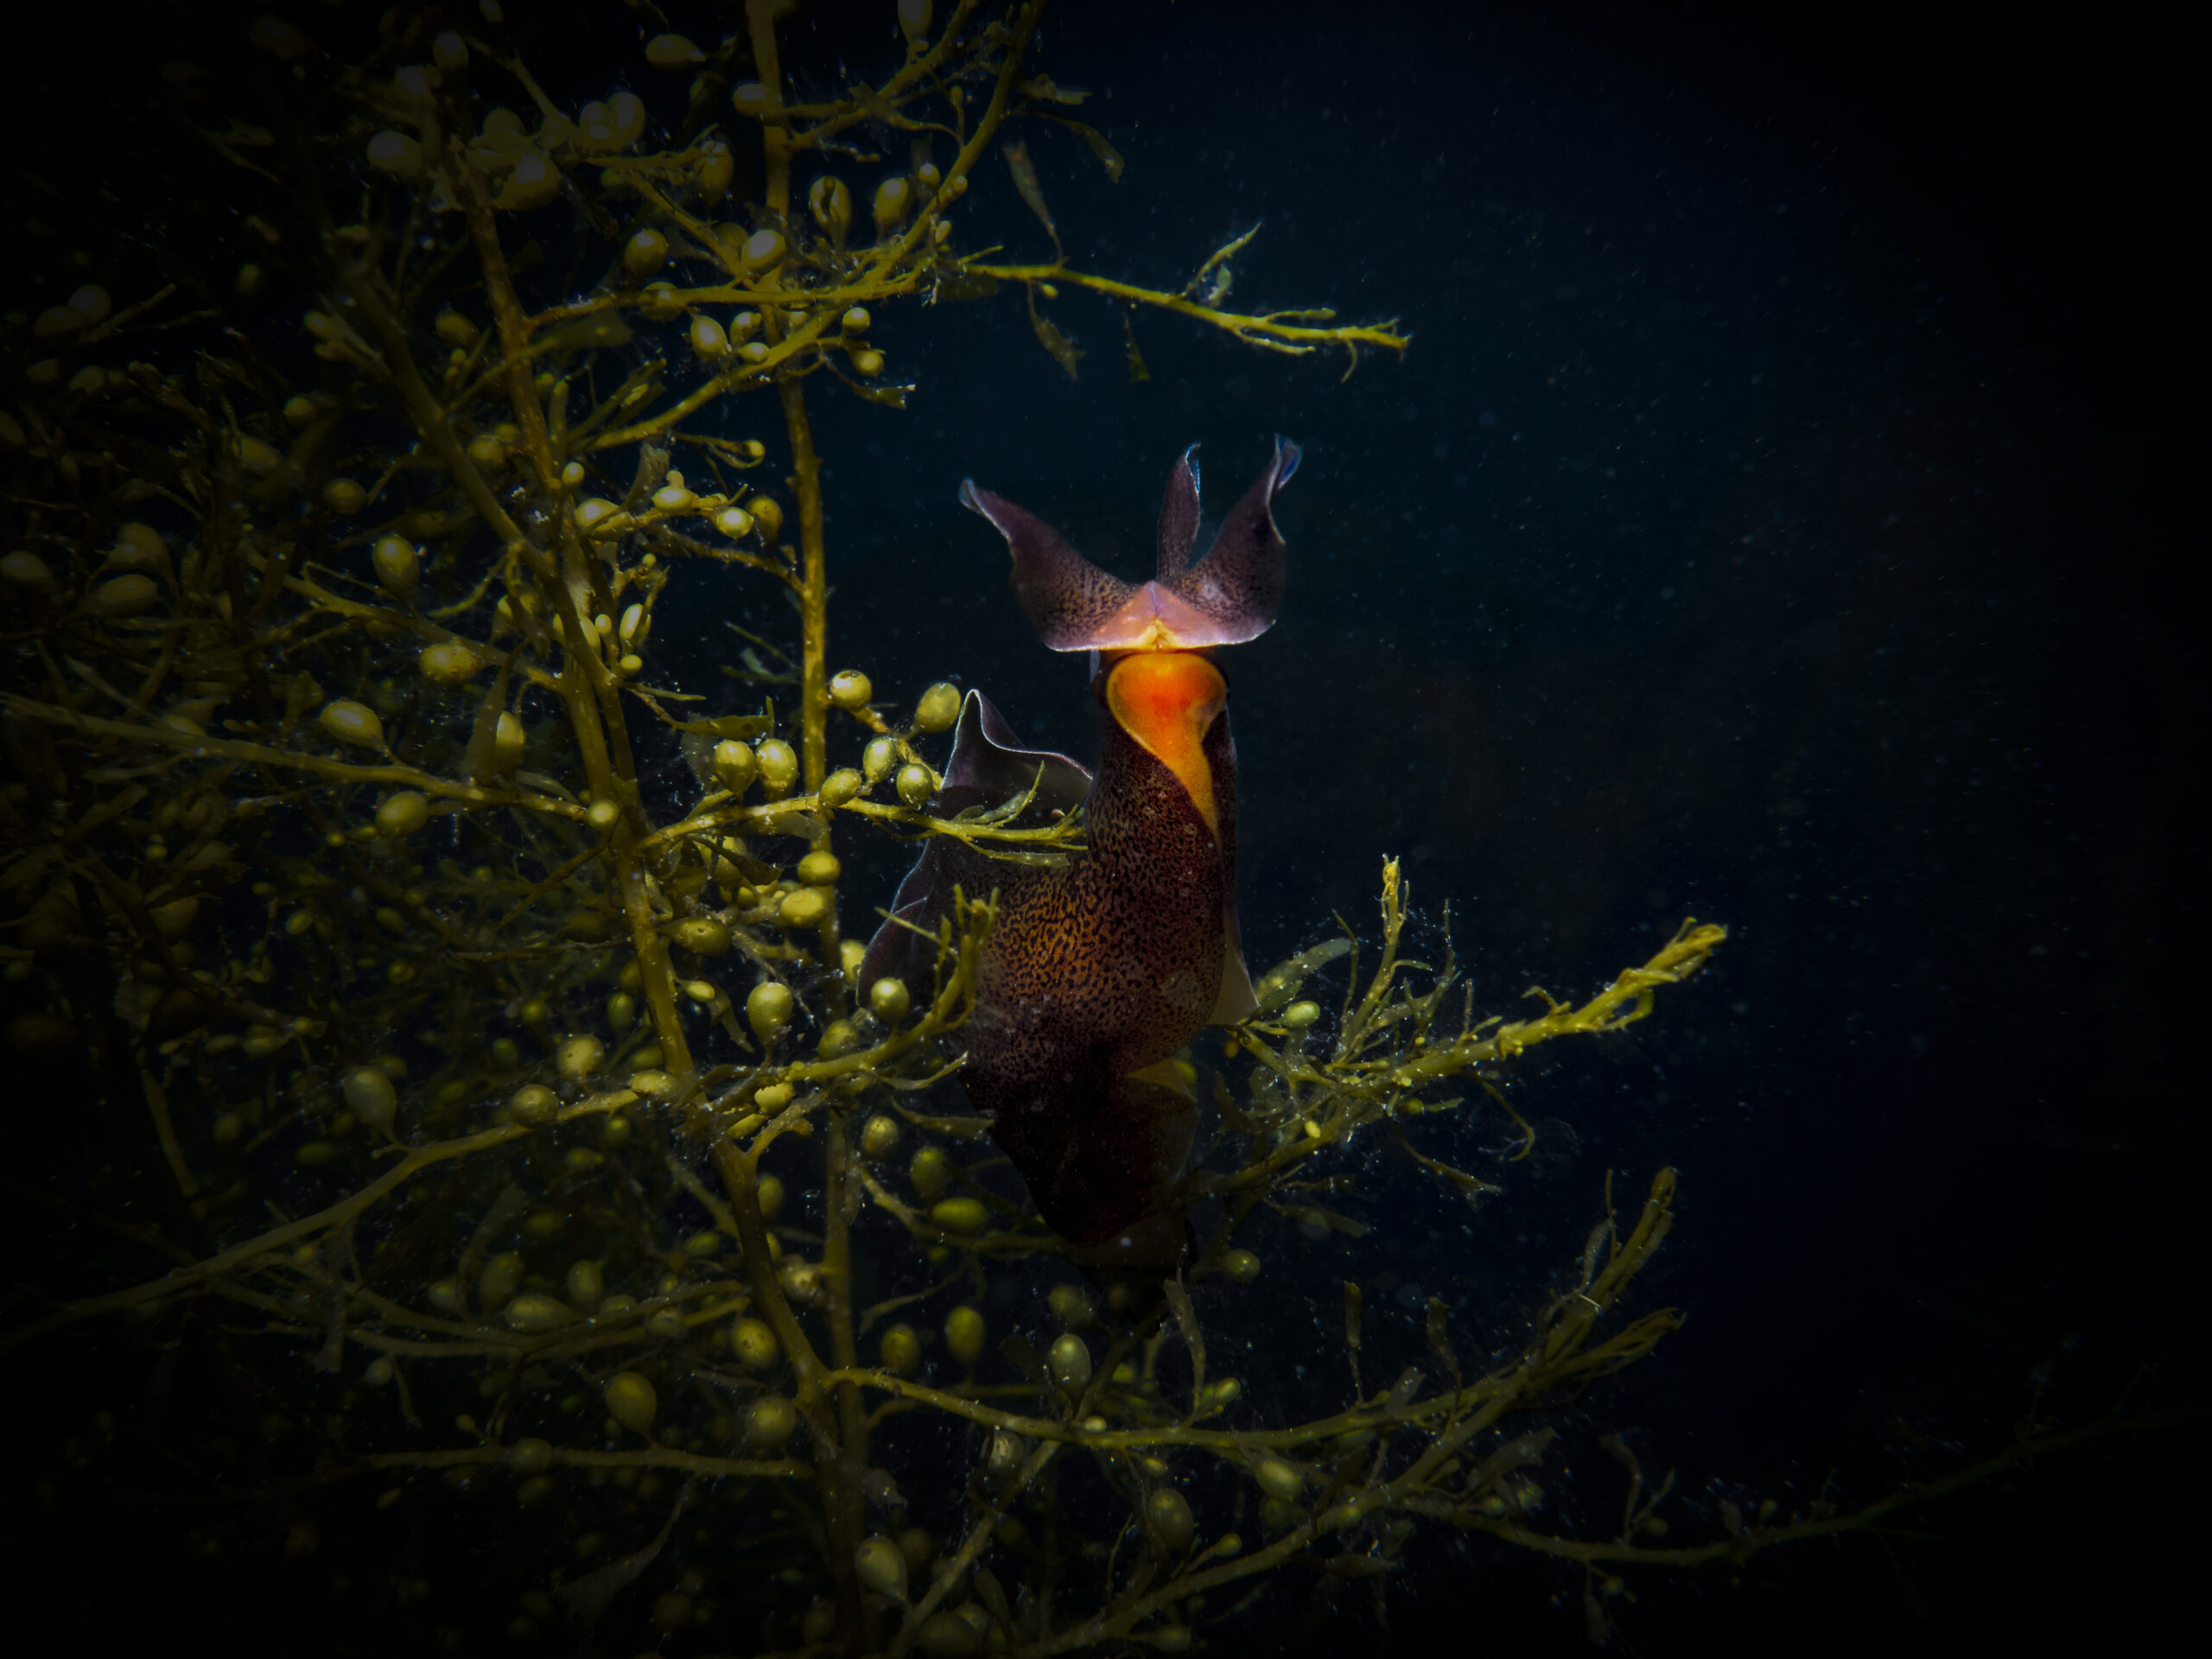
[438, 1050]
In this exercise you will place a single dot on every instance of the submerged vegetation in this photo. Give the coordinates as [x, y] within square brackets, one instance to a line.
[487, 1140]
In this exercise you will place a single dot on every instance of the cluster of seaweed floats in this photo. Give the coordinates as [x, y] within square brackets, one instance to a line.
[510, 1112]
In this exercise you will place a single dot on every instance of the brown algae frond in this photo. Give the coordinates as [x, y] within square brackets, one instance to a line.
[486, 1128]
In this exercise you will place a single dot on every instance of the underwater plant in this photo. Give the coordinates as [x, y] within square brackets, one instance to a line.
[488, 1106]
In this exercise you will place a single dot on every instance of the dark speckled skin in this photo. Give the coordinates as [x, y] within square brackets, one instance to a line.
[1097, 969]
[1108, 964]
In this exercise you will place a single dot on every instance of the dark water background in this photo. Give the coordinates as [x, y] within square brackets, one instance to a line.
[1780, 518]
[1777, 520]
